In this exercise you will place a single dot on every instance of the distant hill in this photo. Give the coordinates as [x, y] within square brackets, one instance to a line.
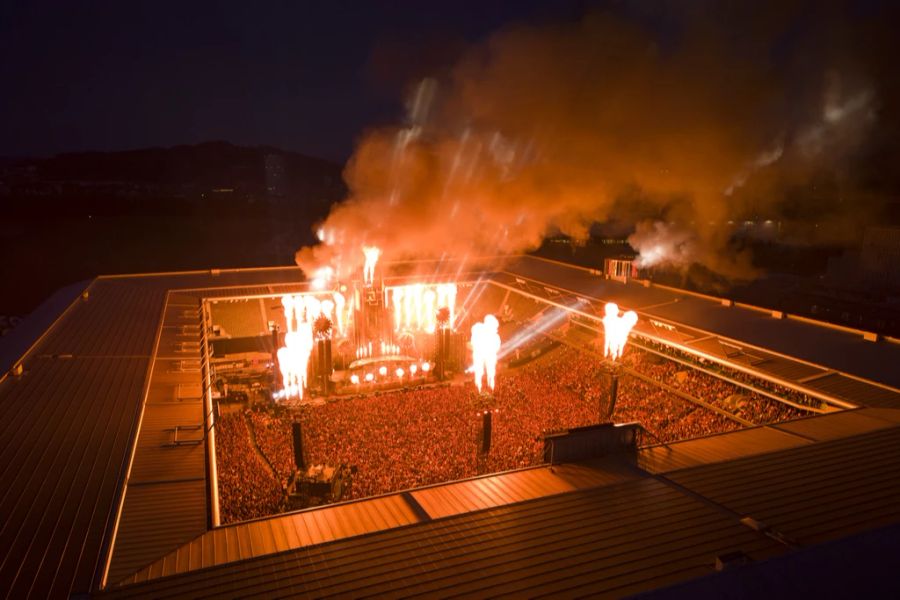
[208, 176]
[73, 216]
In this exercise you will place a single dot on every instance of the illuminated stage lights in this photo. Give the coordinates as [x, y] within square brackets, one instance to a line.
[416, 305]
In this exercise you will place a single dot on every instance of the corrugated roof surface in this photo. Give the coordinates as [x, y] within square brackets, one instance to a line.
[715, 448]
[65, 428]
[16, 342]
[861, 566]
[165, 501]
[614, 541]
[366, 516]
[787, 369]
[842, 424]
[157, 459]
[281, 533]
[517, 486]
[119, 318]
[857, 391]
[155, 521]
[813, 493]
[888, 414]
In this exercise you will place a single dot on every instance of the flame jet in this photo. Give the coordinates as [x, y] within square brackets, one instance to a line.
[415, 305]
[616, 329]
[293, 357]
[371, 253]
[485, 346]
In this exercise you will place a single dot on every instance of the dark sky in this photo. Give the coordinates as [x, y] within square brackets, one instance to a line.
[304, 76]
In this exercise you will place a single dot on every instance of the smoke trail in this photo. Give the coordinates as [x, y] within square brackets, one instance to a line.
[560, 126]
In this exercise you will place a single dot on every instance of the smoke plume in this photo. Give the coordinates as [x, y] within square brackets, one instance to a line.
[555, 127]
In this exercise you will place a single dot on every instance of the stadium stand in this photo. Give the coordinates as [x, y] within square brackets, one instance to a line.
[105, 486]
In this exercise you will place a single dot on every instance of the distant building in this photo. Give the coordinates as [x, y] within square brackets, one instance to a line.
[620, 269]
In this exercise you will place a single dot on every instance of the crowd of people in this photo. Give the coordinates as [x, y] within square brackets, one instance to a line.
[274, 440]
[749, 405]
[409, 438]
[750, 380]
[247, 488]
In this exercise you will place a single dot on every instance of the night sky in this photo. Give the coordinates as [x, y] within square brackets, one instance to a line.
[303, 76]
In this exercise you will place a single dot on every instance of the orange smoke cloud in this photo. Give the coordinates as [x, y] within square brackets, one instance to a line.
[558, 127]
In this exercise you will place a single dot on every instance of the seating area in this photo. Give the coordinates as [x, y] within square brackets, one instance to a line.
[413, 437]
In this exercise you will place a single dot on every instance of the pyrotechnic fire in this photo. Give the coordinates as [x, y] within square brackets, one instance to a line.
[485, 346]
[321, 278]
[293, 357]
[616, 329]
[371, 253]
[416, 305]
[300, 312]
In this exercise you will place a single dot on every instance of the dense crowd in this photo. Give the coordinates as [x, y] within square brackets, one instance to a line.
[274, 441]
[745, 378]
[246, 487]
[413, 437]
[739, 401]
[666, 416]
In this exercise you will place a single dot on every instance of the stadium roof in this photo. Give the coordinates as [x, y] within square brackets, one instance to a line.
[103, 477]
[835, 362]
[614, 532]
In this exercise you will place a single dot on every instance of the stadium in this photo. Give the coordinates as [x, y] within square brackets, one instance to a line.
[251, 433]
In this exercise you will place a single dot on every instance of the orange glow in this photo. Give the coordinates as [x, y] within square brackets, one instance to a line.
[415, 305]
[300, 312]
[485, 346]
[371, 253]
[616, 329]
[293, 357]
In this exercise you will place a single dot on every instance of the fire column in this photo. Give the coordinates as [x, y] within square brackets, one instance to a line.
[615, 335]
